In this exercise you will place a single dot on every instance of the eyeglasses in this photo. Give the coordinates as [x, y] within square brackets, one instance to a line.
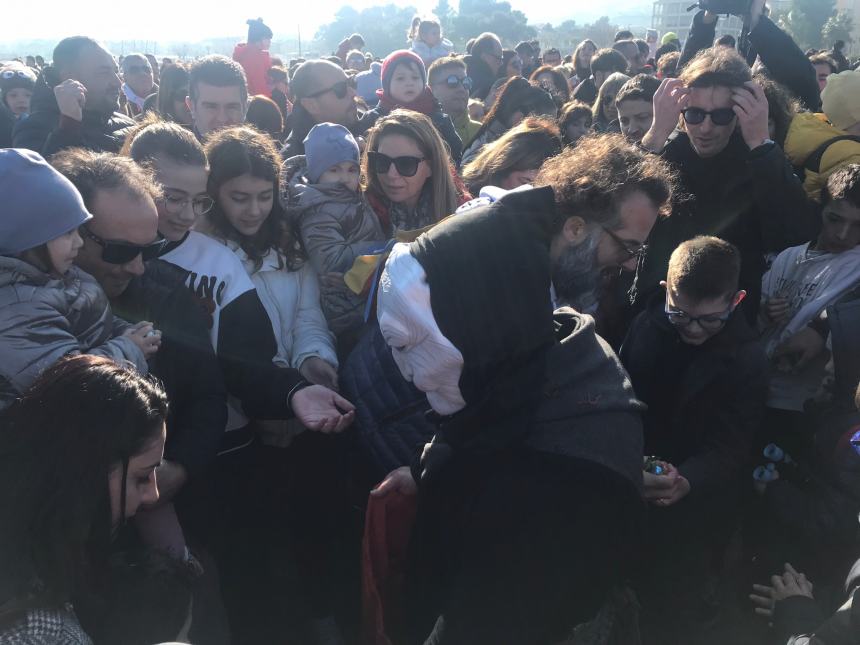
[406, 166]
[139, 69]
[710, 322]
[339, 89]
[175, 205]
[114, 252]
[695, 116]
[11, 73]
[638, 252]
[453, 82]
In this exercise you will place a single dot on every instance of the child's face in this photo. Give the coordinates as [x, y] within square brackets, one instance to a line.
[578, 128]
[18, 100]
[63, 250]
[704, 318]
[346, 173]
[431, 36]
[406, 84]
[840, 227]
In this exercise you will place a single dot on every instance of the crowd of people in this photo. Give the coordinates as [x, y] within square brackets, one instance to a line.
[498, 346]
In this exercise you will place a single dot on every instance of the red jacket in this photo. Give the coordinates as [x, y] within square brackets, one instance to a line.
[255, 62]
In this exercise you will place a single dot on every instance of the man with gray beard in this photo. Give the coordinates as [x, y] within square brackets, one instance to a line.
[594, 206]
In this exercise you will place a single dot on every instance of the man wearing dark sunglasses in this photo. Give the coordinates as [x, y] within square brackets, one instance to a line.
[138, 82]
[450, 85]
[484, 63]
[742, 185]
[323, 95]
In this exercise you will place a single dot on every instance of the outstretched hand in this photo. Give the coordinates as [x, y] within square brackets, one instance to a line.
[791, 583]
[321, 409]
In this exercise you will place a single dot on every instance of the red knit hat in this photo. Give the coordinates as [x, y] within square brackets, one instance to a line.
[394, 59]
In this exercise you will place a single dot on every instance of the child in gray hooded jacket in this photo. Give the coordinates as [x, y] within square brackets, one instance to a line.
[48, 307]
[320, 192]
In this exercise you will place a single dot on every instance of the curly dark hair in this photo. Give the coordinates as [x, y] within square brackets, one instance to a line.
[243, 150]
[591, 179]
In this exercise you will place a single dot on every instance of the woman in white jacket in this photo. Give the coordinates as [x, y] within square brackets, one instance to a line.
[246, 217]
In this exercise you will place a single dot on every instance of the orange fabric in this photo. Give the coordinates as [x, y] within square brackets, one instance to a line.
[387, 529]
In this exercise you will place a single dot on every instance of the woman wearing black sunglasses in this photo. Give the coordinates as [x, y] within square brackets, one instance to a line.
[604, 112]
[407, 173]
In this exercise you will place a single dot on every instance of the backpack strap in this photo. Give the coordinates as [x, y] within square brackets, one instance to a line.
[813, 162]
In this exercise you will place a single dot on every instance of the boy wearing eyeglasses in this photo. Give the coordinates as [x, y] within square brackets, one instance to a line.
[697, 364]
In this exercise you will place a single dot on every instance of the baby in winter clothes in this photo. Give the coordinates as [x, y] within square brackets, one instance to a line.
[320, 192]
[48, 307]
[404, 85]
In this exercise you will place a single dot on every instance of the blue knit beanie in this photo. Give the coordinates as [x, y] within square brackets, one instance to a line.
[326, 145]
[38, 205]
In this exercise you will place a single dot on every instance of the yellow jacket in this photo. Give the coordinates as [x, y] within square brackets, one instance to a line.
[806, 134]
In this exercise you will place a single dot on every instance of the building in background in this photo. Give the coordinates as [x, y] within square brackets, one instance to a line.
[671, 15]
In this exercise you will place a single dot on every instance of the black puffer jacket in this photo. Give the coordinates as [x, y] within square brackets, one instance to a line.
[390, 422]
[46, 132]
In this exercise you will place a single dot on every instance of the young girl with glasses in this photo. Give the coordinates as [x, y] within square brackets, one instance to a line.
[48, 307]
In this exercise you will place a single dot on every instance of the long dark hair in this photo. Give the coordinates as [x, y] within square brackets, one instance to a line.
[172, 86]
[517, 95]
[242, 150]
[59, 442]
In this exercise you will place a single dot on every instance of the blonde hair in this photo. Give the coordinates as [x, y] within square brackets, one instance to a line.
[613, 83]
[419, 128]
[524, 147]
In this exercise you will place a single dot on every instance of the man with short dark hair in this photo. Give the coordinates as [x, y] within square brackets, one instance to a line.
[630, 50]
[635, 105]
[483, 64]
[138, 82]
[623, 34]
[603, 64]
[552, 57]
[217, 94]
[322, 94]
[743, 185]
[527, 55]
[450, 85]
[75, 102]
[824, 66]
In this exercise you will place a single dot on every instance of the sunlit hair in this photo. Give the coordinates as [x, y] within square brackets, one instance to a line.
[242, 150]
[717, 66]
[611, 86]
[844, 184]
[524, 147]
[517, 95]
[559, 89]
[704, 268]
[591, 179]
[154, 137]
[571, 112]
[420, 26]
[420, 129]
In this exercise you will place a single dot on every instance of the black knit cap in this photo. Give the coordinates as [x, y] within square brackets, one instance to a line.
[258, 31]
[489, 275]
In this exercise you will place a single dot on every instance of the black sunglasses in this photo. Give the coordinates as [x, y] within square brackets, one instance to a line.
[114, 252]
[454, 81]
[339, 89]
[405, 166]
[695, 116]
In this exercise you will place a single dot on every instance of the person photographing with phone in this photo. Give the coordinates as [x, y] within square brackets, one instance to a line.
[711, 123]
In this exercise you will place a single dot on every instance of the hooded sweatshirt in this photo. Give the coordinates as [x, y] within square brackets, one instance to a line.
[811, 281]
[255, 62]
[336, 226]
